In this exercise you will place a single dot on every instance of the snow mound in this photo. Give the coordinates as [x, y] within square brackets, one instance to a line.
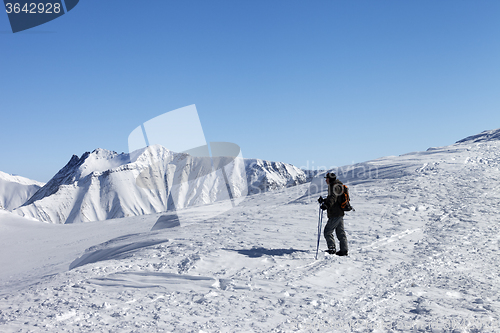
[117, 248]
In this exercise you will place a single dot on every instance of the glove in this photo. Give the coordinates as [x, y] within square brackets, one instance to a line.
[321, 200]
[323, 207]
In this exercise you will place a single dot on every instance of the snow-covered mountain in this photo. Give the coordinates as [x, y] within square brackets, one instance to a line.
[103, 184]
[424, 251]
[490, 135]
[263, 176]
[15, 190]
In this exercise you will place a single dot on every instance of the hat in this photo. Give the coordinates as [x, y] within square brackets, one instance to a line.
[331, 176]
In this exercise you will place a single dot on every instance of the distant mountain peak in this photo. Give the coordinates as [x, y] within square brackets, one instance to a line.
[15, 190]
[484, 136]
[19, 179]
[104, 184]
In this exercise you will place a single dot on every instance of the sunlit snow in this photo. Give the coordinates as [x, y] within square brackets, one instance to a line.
[424, 254]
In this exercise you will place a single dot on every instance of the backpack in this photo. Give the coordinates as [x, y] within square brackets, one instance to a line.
[345, 203]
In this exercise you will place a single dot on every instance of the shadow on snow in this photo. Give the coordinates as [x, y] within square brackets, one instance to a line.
[257, 252]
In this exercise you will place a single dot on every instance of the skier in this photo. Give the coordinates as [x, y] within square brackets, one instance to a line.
[335, 215]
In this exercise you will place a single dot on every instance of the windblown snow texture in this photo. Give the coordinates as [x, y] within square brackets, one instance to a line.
[424, 254]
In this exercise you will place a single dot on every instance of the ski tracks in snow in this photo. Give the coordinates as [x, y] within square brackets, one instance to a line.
[449, 280]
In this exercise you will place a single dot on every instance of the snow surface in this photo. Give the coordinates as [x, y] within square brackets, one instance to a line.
[15, 190]
[424, 247]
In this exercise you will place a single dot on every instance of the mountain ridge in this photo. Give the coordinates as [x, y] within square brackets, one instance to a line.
[103, 184]
[488, 135]
[15, 190]
[93, 171]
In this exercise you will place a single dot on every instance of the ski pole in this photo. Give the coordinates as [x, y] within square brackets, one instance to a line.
[320, 223]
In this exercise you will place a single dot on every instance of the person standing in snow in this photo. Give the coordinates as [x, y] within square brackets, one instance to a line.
[335, 215]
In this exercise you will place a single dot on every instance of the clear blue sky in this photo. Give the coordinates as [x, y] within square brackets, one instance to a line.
[318, 83]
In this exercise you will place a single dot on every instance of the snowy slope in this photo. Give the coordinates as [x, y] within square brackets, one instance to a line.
[424, 255]
[103, 184]
[416, 163]
[15, 190]
[490, 135]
